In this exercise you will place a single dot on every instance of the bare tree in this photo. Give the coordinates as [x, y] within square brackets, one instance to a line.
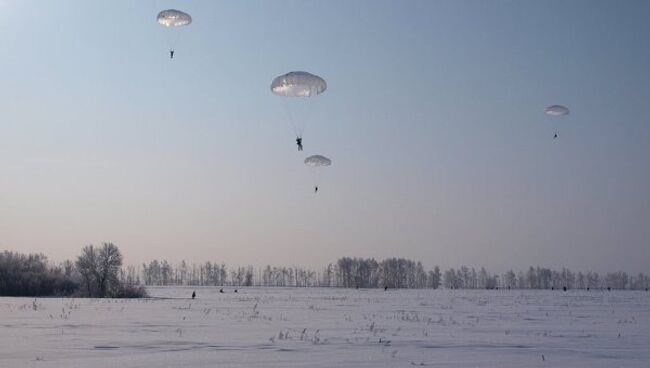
[510, 280]
[435, 277]
[109, 262]
[87, 266]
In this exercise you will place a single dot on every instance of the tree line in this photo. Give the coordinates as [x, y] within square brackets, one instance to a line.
[392, 273]
[97, 272]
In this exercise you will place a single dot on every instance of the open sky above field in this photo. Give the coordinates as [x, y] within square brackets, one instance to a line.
[433, 118]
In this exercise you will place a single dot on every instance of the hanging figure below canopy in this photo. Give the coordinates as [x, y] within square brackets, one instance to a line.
[299, 143]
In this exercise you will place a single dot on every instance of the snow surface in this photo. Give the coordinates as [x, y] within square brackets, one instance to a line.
[304, 327]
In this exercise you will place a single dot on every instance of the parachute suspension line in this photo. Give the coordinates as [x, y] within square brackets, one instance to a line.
[317, 175]
[172, 40]
[296, 125]
[556, 129]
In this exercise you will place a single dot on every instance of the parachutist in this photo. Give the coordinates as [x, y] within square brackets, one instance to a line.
[193, 294]
[170, 19]
[555, 136]
[317, 163]
[303, 85]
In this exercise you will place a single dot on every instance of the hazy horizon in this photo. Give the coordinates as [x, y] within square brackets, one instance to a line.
[433, 118]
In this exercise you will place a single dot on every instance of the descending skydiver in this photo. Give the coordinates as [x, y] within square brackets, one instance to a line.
[175, 20]
[555, 136]
[317, 163]
[298, 86]
[193, 294]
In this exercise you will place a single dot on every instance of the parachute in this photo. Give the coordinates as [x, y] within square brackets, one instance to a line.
[298, 84]
[316, 163]
[175, 21]
[173, 18]
[556, 111]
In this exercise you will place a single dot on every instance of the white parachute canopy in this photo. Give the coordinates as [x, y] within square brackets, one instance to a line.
[298, 84]
[557, 110]
[173, 18]
[318, 161]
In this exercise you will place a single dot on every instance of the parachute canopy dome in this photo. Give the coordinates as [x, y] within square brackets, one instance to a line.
[557, 110]
[317, 160]
[173, 18]
[298, 84]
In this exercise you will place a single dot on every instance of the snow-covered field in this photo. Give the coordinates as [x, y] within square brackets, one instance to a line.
[287, 327]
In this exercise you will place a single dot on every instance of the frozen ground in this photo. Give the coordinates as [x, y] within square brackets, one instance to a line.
[286, 327]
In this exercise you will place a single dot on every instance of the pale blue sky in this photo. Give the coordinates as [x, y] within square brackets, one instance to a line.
[433, 118]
